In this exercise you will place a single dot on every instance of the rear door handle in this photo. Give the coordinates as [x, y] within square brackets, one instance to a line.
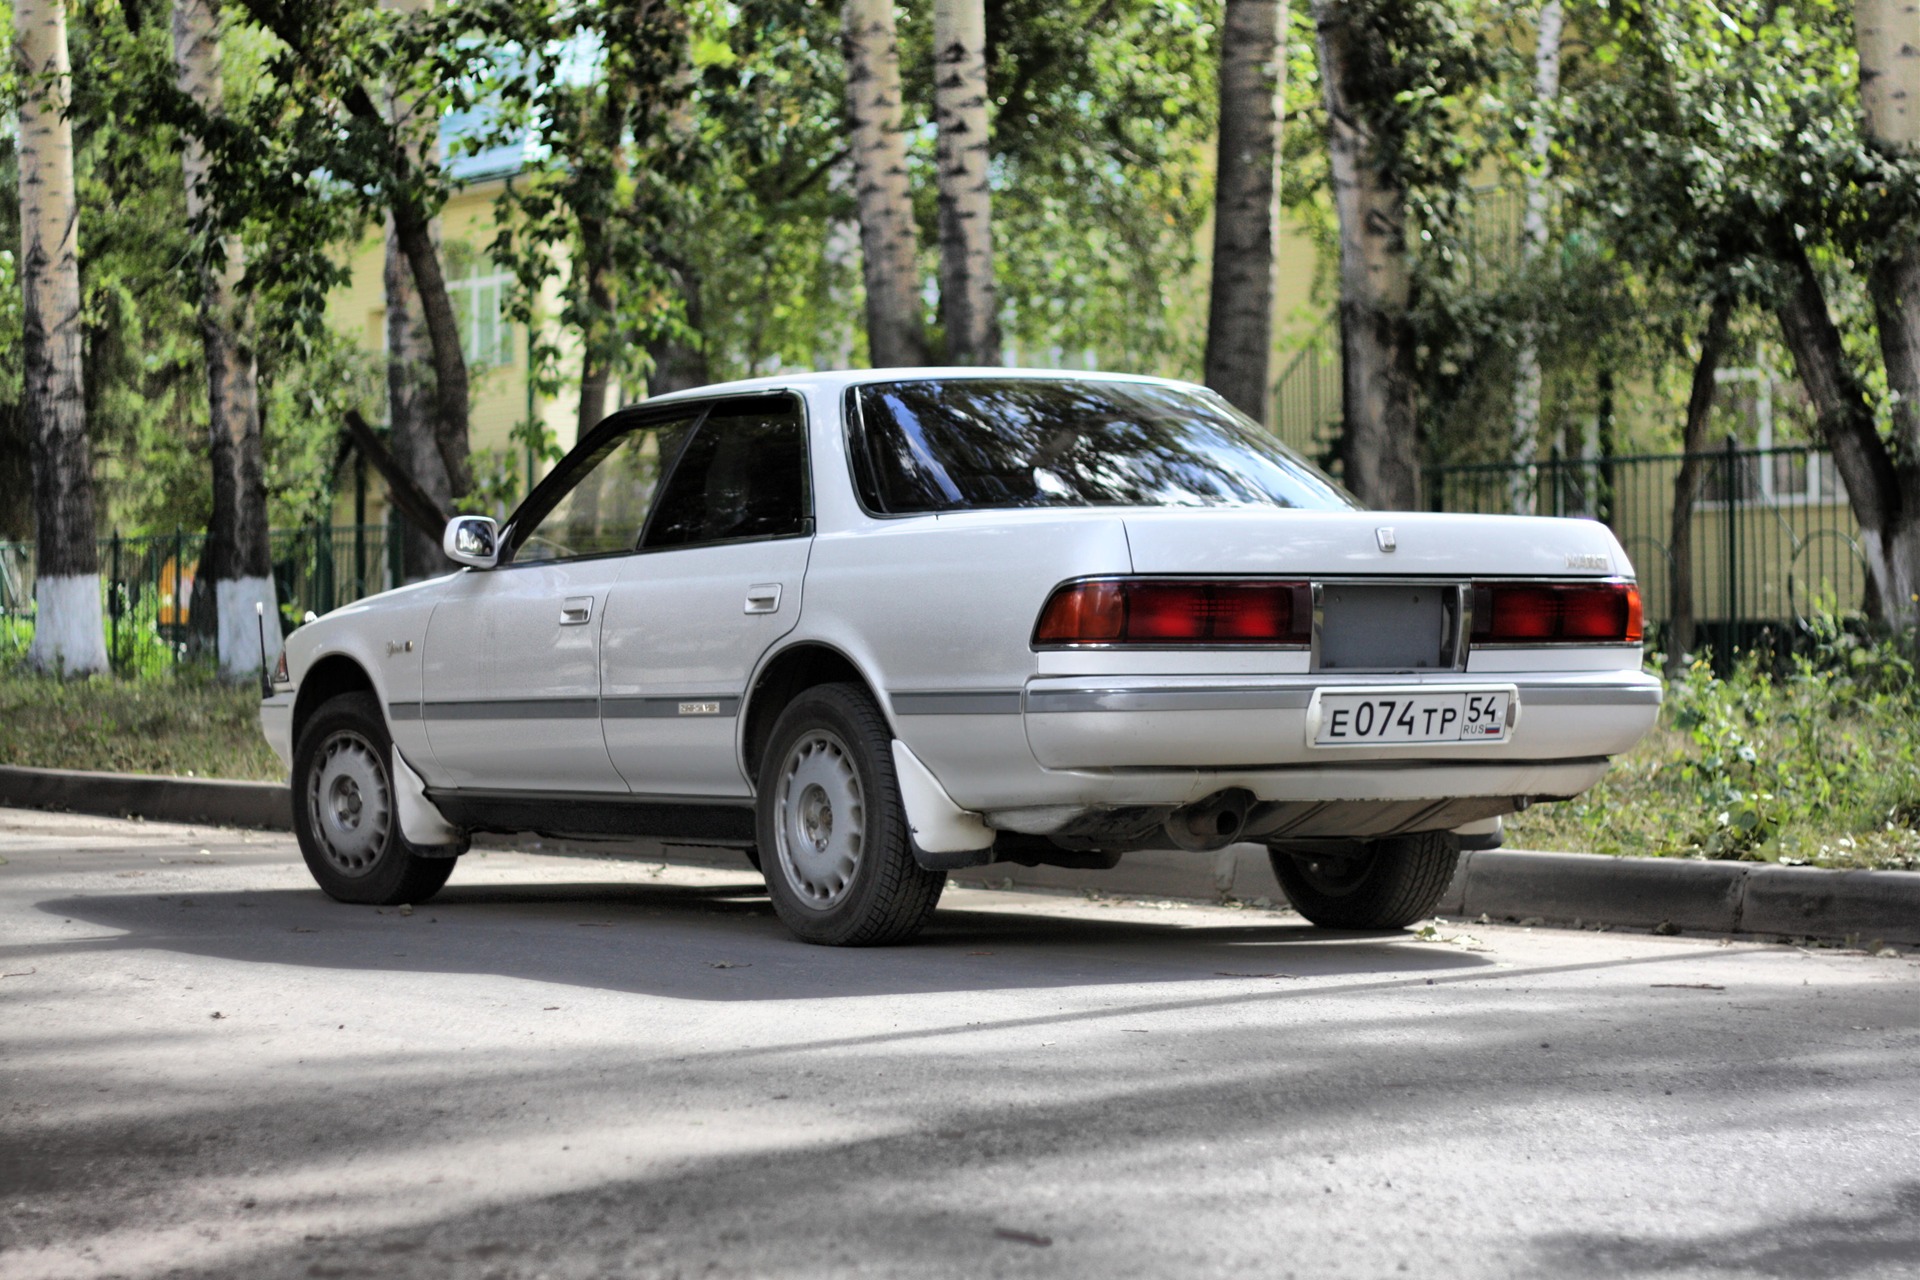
[576, 611]
[763, 597]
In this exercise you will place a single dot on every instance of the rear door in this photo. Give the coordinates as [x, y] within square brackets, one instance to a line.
[717, 581]
[512, 657]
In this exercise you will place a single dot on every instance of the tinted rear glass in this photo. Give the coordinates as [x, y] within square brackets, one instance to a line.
[966, 443]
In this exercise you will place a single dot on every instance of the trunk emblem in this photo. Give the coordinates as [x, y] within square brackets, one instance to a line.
[1384, 536]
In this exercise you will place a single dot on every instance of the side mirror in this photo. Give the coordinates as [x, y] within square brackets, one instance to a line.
[472, 540]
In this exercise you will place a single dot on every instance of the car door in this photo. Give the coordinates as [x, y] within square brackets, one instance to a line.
[717, 581]
[512, 654]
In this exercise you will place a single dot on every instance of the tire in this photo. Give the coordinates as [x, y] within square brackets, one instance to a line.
[832, 831]
[1381, 884]
[344, 810]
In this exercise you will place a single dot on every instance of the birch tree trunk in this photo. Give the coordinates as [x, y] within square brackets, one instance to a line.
[896, 335]
[1686, 486]
[1533, 244]
[1246, 204]
[1379, 442]
[1889, 529]
[68, 635]
[238, 560]
[968, 300]
[1887, 34]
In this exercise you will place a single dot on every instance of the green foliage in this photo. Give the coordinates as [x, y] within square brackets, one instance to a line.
[1817, 764]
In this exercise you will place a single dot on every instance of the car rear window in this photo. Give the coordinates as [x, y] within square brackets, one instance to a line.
[959, 444]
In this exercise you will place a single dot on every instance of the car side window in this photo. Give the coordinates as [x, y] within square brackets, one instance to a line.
[743, 475]
[607, 504]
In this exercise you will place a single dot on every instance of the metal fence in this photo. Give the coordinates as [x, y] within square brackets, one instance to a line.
[148, 583]
[1774, 541]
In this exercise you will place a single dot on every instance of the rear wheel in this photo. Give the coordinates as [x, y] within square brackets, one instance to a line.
[832, 833]
[345, 814]
[1368, 884]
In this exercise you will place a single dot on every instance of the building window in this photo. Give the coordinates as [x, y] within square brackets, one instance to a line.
[480, 303]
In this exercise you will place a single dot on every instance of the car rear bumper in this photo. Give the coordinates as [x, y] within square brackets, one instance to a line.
[1262, 725]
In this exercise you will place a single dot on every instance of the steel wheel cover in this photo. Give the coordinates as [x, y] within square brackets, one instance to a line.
[349, 804]
[819, 819]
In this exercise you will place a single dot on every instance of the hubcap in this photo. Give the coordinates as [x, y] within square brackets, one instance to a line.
[819, 819]
[349, 804]
[1336, 875]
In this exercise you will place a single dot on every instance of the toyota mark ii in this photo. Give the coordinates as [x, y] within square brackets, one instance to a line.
[870, 627]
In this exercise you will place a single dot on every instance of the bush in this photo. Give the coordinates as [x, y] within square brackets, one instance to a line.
[1814, 763]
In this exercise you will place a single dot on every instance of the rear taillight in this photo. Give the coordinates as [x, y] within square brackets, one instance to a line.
[1556, 613]
[1177, 611]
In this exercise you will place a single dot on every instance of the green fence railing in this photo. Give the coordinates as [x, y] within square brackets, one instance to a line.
[1774, 541]
[148, 583]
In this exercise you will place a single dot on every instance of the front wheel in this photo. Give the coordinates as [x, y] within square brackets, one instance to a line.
[1368, 884]
[344, 811]
[832, 832]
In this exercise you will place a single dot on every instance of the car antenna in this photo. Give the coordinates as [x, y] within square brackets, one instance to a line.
[260, 620]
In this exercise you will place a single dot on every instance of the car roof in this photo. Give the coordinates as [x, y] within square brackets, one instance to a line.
[833, 380]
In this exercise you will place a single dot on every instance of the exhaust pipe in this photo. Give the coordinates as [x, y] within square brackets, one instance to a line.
[1213, 823]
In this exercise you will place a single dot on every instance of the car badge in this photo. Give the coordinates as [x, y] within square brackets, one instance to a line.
[1384, 536]
[1588, 560]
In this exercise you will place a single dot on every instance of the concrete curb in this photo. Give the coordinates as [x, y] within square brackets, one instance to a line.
[266, 805]
[1503, 884]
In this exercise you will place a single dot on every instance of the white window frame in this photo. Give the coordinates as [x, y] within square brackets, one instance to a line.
[465, 293]
[1808, 495]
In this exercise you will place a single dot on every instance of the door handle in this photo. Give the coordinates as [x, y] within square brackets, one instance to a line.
[763, 597]
[576, 611]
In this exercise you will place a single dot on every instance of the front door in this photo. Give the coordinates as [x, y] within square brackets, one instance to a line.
[717, 581]
[512, 660]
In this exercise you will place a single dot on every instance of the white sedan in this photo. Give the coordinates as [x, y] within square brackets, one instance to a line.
[872, 626]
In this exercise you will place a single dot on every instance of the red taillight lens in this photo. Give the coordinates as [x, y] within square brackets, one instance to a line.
[1562, 613]
[1122, 611]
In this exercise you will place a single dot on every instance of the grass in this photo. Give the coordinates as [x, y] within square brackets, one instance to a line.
[186, 724]
[1817, 765]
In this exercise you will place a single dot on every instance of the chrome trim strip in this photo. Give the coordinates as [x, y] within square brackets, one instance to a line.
[956, 702]
[1048, 702]
[1618, 695]
[514, 709]
[669, 708]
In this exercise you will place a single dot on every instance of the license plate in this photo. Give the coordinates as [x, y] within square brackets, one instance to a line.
[1396, 716]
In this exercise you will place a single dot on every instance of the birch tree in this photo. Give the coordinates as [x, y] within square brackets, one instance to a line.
[1246, 204]
[238, 558]
[968, 299]
[1533, 245]
[888, 240]
[69, 636]
[1887, 37]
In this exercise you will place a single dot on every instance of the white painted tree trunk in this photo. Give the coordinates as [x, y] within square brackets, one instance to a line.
[1246, 204]
[69, 636]
[889, 243]
[1533, 245]
[239, 558]
[968, 299]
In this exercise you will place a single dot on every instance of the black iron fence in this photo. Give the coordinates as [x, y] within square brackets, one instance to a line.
[1774, 542]
[148, 583]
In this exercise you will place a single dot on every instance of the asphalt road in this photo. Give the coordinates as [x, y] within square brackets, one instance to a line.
[581, 1067]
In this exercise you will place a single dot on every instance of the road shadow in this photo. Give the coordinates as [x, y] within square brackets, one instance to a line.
[723, 942]
[1881, 1239]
